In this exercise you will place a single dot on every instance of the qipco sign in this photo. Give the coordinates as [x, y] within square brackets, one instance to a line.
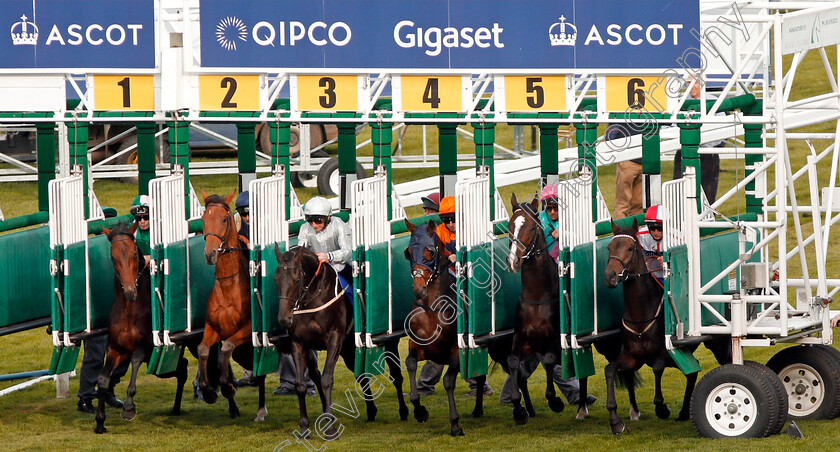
[89, 34]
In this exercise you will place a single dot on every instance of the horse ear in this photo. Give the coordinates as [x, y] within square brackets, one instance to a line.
[431, 228]
[204, 195]
[635, 226]
[277, 252]
[229, 197]
[132, 228]
[614, 227]
[535, 203]
[106, 231]
[409, 225]
[514, 205]
[407, 253]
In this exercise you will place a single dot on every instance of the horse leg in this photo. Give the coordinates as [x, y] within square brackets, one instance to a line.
[315, 376]
[333, 353]
[449, 379]
[520, 415]
[685, 411]
[421, 414]
[635, 414]
[395, 369]
[225, 380]
[661, 408]
[129, 411]
[103, 386]
[549, 360]
[621, 366]
[616, 424]
[478, 411]
[210, 338]
[262, 412]
[526, 395]
[299, 357]
[583, 410]
[181, 375]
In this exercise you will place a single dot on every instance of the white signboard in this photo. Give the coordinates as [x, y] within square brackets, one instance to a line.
[808, 30]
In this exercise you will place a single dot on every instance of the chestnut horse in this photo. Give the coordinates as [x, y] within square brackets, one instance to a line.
[537, 327]
[432, 328]
[319, 316]
[228, 317]
[130, 324]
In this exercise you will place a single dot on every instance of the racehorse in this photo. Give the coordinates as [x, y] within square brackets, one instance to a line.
[319, 316]
[643, 327]
[130, 324]
[537, 327]
[432, 329]
[228, 316]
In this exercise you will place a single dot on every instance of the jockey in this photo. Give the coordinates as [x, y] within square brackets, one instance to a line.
[244, 210]
[650, 237]
[329, 238]
[549, 220]
[140, 209]
[446, 231]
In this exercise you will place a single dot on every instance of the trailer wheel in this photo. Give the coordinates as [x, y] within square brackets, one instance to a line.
[779, 391]
[734, 401]
[811, 378]
[328, 176]
[131, 157]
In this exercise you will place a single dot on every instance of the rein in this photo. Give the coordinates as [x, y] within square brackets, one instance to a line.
[625, 275]
[122, 237]
[296, 309]
[223, 240]
[531, 249]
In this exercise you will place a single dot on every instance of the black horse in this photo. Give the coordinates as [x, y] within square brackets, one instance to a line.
[432, 328]
[319, 316]
[643, 328]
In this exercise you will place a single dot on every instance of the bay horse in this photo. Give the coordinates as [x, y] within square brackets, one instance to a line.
[130, 324]
[537, 325]
[319, 316]
[228, 316]
[432, 328]
[643, 328]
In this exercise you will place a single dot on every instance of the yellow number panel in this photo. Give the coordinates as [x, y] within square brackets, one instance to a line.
[328, 92]
[535, 93]
[635, 93]
[425, 93]
[229, 92]
[124, 92]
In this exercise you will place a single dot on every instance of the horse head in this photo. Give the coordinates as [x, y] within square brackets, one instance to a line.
[296, 270]
[625, 252]
[128, 262]
[526, 233]
[423, 252]
[219, 230]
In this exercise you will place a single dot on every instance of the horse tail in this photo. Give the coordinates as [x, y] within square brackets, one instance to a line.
[492, 368]
[629, 379]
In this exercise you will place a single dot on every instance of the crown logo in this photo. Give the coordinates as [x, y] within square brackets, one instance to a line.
[562, 33]
[24, 33]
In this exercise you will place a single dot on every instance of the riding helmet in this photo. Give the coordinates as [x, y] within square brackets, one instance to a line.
[317, 206]
[140, 206]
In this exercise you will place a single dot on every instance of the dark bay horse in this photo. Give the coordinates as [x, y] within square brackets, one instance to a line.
[537, 327]
[432, 328]
[130, 324]
[228, 316]
[319, 316]
[643, 327]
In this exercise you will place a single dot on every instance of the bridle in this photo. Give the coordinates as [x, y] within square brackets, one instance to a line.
[624, 276]
[298, 307]
[531, 249]
[222, 240]
[144, 265]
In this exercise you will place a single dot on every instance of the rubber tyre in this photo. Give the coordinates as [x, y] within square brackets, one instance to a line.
[778, 389]
[746, 391]
[833, 357]
[294, 140]
[328, 176]
[812, 372]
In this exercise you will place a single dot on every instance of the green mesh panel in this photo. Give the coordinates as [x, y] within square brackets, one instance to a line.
[75, 309]
[101, 281]
[201, 281]
[376, 288]
[175, 287]
[25, 280]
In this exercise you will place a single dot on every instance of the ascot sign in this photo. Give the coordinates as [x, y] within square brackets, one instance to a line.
[449, 34]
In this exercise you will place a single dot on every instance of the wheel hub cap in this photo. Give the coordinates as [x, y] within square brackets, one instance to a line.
[731, 409]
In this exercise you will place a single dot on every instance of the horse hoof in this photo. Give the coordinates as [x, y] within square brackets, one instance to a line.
[618, 428]
[331, 433]
[662, 411]
[582, 414]
[128, 415]
[532, 412]
[175, 412]
[683, 417]
[556, 404]
[520, 416]
[403, 413]
[261, 414]
[234, 412]
[477, 413]
[421, 414]
[635, 415]
[100, 430]
[457, 431]
[209, 396]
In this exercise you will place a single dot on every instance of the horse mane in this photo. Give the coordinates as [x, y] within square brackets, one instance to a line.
[120, 229]
[214, 199]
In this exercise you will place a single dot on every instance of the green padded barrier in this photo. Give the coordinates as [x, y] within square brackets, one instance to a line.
[402, 297]
[270, 302]
[264, 308]
[101, 281]
[677, 285]
[583, 362]
[268, 360]
[64, 359]
[56, 283]
[610, 301]
[473, 362]
[508, 287]
[372, 357]
[582, 291]
[359, 320]
[75, 288]
[685, 361]
[201, 281]
[168, 361]
[359, 363]
[154, 359]
[479, 290]
[376, 288]
[175, 287]
[25, 280]
[157, 294]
